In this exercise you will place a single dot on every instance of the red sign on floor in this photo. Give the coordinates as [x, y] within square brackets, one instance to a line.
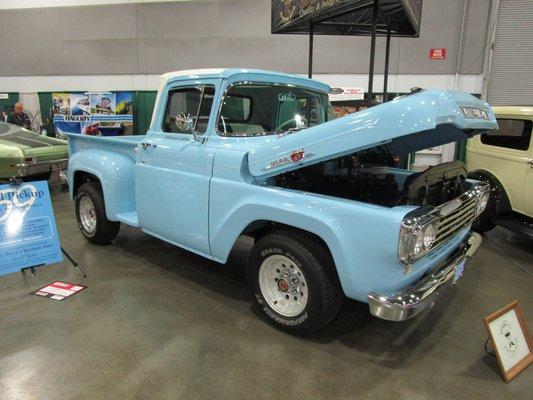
[437, 54]
[59, 290]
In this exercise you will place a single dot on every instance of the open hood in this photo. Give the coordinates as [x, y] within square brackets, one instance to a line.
[414, 122]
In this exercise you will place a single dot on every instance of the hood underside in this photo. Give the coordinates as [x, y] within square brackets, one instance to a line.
[415, 122]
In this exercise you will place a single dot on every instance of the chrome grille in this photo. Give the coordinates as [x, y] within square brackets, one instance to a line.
[461, 216]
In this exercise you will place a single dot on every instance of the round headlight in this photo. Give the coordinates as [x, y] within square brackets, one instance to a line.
[418, 245]
[417, 237]
[430, 233]
[423, 240]
[482, 203]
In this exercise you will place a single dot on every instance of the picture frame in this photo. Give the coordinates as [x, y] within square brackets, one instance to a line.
[510, 338]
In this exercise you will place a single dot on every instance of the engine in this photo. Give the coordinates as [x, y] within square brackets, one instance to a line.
[370, 176]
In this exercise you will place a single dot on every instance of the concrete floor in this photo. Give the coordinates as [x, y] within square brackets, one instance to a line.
[157, 322]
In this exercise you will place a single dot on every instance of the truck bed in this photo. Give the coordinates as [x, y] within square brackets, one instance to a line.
[125, 145]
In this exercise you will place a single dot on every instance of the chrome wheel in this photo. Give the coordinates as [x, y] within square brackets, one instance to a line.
[87, 214]
[283, 285]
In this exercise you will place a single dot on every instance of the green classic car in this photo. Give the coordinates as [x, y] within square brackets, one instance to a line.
[29, 156]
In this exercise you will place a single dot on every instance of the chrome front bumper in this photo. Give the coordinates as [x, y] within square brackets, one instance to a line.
[28, 169]
[410, 301]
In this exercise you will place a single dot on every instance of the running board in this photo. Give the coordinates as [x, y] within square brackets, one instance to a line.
[129, 218]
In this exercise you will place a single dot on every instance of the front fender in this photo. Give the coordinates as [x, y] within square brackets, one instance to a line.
[227, 225]
[116, 174]
[362, 238]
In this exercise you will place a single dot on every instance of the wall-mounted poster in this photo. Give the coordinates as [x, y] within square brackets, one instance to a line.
[95, 114]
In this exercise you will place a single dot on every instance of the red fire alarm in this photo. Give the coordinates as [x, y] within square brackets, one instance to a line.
[437, 54]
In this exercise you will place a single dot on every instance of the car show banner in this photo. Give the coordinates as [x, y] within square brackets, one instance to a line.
[28, 232]
[95, 114]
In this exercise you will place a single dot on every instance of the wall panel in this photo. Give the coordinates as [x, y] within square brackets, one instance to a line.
[100, 56]
[99, 23]
[510, 80]
[157, 37]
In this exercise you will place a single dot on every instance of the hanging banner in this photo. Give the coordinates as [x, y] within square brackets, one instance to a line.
[95, 114]
[28, 232]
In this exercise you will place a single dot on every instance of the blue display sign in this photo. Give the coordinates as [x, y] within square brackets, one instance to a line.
[28, 232]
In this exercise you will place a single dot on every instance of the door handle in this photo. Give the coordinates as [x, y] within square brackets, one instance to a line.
[147, 146]
[530, 162]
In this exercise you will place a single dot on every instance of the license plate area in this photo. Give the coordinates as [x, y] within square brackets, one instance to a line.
[459, 270]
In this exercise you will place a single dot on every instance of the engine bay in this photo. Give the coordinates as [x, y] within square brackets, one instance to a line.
[372, 176]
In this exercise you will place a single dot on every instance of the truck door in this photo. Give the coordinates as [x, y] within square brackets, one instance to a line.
[174, 167]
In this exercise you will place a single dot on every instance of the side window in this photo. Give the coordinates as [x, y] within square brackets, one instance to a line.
[188, 109]
[512, 134]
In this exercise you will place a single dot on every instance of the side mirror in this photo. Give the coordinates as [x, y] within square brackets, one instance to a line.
[185, 123]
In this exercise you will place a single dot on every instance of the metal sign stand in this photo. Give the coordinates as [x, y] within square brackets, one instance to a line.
[72, 261]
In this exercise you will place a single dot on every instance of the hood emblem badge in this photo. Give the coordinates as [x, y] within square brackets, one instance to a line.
[294, 156]
[297, 155]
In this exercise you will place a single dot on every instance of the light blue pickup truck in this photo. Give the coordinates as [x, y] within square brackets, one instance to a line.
[234, 152]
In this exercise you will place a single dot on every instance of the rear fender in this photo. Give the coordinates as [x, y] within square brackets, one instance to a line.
[116, 174]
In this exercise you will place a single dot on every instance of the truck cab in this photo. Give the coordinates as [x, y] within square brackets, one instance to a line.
[504, 159]
[234, 152]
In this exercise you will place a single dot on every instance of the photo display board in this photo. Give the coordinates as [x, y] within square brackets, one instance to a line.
[95, 114]
[512, 342]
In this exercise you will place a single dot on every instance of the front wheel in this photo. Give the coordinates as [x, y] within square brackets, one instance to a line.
[91, 215]
[291, 279]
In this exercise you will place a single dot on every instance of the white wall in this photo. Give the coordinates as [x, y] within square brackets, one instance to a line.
[16, 4]
[397, 82]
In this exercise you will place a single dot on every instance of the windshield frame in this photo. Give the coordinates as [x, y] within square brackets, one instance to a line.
[259, 82]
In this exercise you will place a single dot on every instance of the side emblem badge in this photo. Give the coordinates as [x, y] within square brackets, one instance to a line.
[297, 155]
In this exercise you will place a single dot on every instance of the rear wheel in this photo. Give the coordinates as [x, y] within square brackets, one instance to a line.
[91, 215]
[291, 280]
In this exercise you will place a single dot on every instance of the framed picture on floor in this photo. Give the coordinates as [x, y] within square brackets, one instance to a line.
[510, 338]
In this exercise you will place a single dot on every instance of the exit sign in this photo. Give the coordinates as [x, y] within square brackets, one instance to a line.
[437, 54]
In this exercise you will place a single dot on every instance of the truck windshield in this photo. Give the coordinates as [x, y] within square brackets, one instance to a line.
[251, 109]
